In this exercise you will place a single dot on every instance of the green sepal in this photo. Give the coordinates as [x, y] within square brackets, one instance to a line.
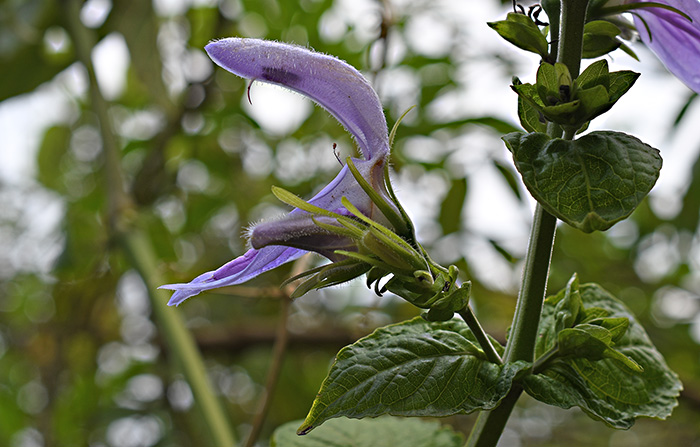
[592, 182]
[297, 202]
[329, 275]
[523, 32]
[396, 219]
[599, 39]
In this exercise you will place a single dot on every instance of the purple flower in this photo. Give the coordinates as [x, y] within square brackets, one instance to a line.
[347, 95]
[674, 38]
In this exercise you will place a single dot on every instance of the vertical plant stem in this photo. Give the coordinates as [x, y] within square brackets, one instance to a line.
[523, 335]
[521, 344]
[278, 353]
[181, 344]
[139, 250]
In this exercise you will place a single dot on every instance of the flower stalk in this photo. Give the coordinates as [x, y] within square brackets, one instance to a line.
[523, 335]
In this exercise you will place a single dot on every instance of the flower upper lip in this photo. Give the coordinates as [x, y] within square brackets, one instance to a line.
[346, 94]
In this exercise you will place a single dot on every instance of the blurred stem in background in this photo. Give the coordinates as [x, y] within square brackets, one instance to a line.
[125, 230]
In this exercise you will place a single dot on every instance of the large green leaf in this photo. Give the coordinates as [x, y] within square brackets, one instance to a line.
[414, 368]
[610, 389]
[380, 432]
[590, 183]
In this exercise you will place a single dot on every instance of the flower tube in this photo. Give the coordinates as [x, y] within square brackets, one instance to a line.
[347, 95]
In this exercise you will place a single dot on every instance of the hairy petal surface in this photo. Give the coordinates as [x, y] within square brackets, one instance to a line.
[243, 268]
[330, 82]
[347, 95]
[674, 39]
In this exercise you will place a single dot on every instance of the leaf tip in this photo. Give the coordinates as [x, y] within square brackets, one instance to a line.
[304, 429]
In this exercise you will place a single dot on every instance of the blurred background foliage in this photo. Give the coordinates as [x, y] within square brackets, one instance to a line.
[81, 359]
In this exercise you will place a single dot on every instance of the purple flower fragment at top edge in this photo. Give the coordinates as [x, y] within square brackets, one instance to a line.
[674, 38]
[347, 95]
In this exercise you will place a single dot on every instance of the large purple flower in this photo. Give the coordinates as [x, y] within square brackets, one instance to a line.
[674, 38]
[347, 95]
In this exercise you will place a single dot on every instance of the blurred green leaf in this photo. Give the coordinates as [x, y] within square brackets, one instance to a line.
[380, 432]
[451, 210]
[50, 166]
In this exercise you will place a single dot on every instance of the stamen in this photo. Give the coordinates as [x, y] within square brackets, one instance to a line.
[337, 157]
[249, 86]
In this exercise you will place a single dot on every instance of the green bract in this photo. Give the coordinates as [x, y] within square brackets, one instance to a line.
[523, 32]
[570, 103]
[590, 183]
[378, 251]
[592, 353]
[600, 38]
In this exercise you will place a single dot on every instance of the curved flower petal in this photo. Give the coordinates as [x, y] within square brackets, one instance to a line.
[332, 83]
[345, 93]
[674, 39]
[243, 268]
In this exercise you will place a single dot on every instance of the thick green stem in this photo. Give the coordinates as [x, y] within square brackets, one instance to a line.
[181, 345]
[139, 251]
[523, 335]
[523, 332]
[573, 18]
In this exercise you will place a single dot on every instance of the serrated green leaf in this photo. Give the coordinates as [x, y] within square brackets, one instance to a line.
[384, 431]
[531, 118]
[591, 342]
[414, 368]
[620, 83]
[603, 389]
[590, 183]
[522, 32]
[595, 74]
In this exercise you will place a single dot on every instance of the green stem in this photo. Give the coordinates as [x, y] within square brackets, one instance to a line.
[180, 342]
[543, 361]
[573, 18]
[139, 250]
[523, 332]
[468, 315]
[523, 335]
